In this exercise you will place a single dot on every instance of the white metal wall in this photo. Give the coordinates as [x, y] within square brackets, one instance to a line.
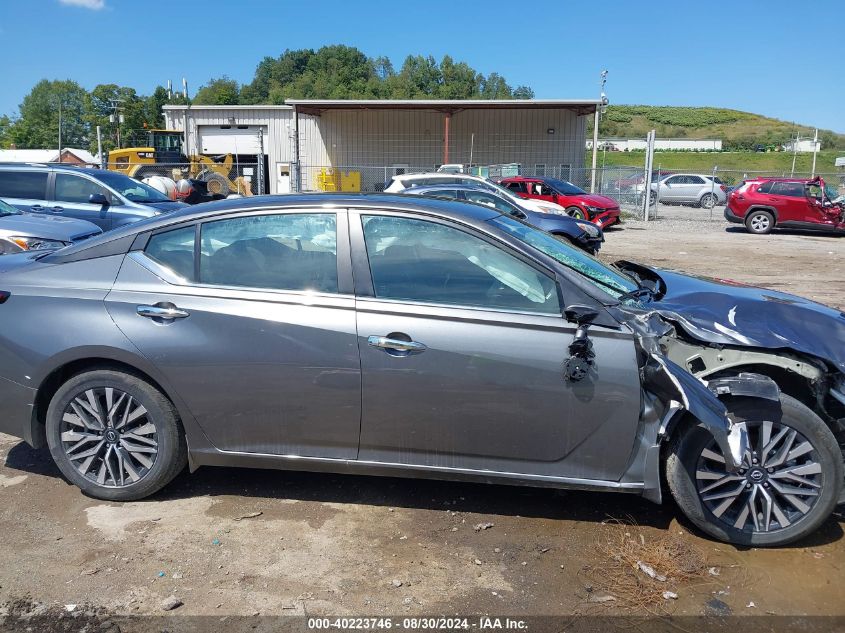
[277, 121]
[354, 138]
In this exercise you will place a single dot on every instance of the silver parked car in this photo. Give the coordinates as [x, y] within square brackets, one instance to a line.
[411, 336]
[28, 231]
[695, 189]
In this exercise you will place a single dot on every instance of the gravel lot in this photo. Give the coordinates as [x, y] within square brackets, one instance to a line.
[227, 542]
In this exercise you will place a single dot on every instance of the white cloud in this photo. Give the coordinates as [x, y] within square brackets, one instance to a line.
[96, 5]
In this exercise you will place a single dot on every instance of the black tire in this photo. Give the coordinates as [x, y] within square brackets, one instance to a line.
[168, 435]
[216, 183]
[759, 221]
[575, 212]
[708, 201]
[684, 470]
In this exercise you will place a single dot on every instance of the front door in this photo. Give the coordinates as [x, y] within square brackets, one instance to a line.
[252, 321]
[462, 349]
[71, 199]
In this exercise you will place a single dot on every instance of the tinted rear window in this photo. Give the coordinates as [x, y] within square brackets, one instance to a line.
[23, 184]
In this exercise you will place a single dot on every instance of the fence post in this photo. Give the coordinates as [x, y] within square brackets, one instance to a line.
[649, 164]
[713, 189]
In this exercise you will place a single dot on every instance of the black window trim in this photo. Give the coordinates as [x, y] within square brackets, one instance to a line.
[344, 269]
[364, 288]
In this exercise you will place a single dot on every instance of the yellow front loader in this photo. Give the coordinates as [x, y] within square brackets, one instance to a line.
[163, 156]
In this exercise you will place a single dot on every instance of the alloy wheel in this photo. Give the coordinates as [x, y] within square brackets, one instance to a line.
[708, 201]
[108, 437]
[760, 222]
[778, 483]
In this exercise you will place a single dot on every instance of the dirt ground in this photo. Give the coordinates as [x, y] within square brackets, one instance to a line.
[242, 543]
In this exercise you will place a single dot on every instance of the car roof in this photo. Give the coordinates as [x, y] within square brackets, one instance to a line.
[111, 242]
[436, 174]
[451, 186]
[59, 166]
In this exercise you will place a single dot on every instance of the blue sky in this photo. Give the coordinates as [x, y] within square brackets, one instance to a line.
[752, 55]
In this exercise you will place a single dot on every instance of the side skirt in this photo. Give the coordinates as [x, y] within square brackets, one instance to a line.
[210, 457]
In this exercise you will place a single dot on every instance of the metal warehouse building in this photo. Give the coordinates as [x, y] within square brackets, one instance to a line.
[358, 144]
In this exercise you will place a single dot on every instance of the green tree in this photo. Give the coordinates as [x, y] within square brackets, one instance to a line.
[494, 86]
[222, 91]
[5, 125]
[523, 92]
[38, 124]
[459, 81]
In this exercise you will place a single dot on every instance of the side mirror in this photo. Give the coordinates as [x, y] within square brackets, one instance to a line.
[580, 314]
[555, 196]
[98, 198]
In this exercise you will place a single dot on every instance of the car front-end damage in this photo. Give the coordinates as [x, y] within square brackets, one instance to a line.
[705, 341]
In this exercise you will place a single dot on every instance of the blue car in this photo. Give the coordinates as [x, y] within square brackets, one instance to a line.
[105, 198]
[585, 235]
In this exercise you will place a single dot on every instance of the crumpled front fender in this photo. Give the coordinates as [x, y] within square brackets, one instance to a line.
[670, 382]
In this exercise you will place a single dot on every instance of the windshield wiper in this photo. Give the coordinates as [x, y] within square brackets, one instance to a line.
[637, 293]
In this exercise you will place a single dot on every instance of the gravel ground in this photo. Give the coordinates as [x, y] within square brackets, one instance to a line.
[239, 543]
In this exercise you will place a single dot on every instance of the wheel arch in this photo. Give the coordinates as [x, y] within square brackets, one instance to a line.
[762, 207]
[67, 367]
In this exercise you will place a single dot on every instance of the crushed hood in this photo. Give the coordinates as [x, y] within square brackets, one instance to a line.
[729, 313]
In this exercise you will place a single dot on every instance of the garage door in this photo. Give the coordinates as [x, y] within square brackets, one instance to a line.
[230, 139]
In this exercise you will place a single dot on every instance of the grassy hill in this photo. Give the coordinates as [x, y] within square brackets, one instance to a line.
[738, 130]
[770, 163]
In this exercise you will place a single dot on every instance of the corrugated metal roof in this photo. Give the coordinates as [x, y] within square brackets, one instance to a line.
[228, 107]
[315, 106]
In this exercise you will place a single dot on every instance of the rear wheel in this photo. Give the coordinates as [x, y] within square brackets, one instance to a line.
[708, 201]
[114, 435]
[788, 484]
[759, 222]
[576, 213]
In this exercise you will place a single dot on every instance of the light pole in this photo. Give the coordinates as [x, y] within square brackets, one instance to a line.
[599, 107]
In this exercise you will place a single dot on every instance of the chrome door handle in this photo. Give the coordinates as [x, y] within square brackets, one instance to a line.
[37, 207]
[162, 311]
[57, 209]
[383, 342]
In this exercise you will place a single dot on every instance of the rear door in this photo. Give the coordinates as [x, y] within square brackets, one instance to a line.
[25, 189]
[262, 344]
[462, 349]
[71, 193]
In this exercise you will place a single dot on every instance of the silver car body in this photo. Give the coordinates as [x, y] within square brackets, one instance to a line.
[689, 189]
[305, 379]
[16, 226]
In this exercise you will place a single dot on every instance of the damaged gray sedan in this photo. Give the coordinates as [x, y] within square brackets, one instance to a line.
[415, 337]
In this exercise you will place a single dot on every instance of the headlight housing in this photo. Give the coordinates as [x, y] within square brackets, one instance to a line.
[552, 210]
[594, 209]
[26, 243]
[590, 229]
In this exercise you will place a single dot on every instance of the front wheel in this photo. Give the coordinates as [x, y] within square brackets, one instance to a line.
[788, 484]
[575, 212]
[115, 435]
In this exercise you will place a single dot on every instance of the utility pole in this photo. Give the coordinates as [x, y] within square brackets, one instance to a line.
[815, 150]
[596, 120]
[60, 129]
[794, 152]
[100, 148]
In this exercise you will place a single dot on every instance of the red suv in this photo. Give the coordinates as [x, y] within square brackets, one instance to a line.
[764, 203]
[578, 203]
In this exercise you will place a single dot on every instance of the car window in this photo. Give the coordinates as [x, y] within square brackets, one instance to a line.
[296, 251]
[480, 197]
[444, 193]
[75, 189]
[516, 186]
[765, 187]
[539, 189]
[695, 180]
[23, 184]
[175, 250]
[674, 180]
[418, 260]
[789, 189]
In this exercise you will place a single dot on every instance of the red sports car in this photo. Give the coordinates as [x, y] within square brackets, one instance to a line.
[579, 204]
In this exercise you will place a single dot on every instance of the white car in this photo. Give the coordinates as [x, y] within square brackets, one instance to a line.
[400, 182]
